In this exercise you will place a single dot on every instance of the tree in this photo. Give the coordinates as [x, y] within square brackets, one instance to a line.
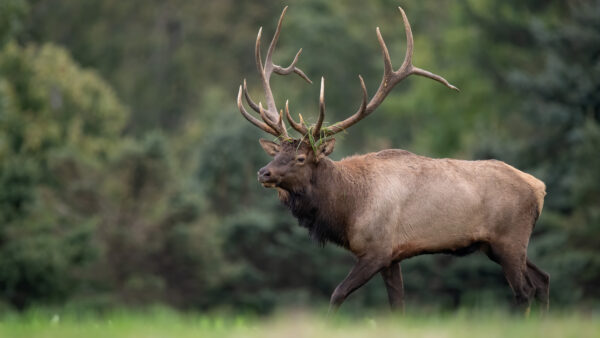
[57, 120]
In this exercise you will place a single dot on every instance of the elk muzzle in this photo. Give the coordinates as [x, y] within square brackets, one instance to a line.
[265, 177]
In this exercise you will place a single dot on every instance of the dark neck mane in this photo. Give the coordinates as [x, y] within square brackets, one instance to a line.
[325, 206]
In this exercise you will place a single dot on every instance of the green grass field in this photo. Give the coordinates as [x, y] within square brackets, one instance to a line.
[165, 323]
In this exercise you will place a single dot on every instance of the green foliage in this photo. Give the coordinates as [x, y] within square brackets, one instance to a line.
[153, 237]
[12, 15]
[52, 127]
[128, 177]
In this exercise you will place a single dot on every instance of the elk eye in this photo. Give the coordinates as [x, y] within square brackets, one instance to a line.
[300, 159]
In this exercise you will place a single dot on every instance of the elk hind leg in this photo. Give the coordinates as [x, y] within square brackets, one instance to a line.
[541, 282]
[513, 259]
[392, 277]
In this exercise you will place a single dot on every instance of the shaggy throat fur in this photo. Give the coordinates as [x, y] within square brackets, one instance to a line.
[323, 226]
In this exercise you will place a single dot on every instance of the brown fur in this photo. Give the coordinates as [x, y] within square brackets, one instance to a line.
[388, 206]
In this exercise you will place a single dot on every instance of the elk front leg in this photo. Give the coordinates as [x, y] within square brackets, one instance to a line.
[392, 276]
[361, 273]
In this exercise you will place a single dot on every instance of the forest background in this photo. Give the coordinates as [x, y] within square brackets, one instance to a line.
[128, 176]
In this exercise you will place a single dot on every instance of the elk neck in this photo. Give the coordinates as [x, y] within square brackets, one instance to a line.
[325, 206]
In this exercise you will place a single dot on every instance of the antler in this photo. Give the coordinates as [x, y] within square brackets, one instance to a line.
[389, 80]
[272, 121]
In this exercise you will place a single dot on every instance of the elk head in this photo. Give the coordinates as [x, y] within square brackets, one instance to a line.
[294, 163]
[296, 159]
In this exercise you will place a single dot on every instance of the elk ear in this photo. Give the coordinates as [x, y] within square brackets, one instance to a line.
[270, 147]
[326, 147]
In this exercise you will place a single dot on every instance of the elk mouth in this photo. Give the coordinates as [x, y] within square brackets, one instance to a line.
[268, 182]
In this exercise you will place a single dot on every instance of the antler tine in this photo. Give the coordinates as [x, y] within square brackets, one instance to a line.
[252, 119]
[423, 72]
[265, 74]
[249, 99]
[363, 105]
[390, 78]
[267, 69]
[269, 59]
[281, 125]
[409, 41]
[317, 128]
[299, 127]
[274, 125]
[387, 63]
[257, 56]
[292, 68]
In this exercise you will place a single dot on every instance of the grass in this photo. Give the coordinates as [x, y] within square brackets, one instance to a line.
[166, 323]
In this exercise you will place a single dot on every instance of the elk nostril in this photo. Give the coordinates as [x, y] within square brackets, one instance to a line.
[264, 172]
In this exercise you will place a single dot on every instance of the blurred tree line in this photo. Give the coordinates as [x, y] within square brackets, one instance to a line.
[127, 175]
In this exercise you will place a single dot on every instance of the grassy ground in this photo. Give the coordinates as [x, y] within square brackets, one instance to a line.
[164, 323]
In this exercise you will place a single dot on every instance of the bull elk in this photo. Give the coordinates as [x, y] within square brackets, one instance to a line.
[387, 206]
